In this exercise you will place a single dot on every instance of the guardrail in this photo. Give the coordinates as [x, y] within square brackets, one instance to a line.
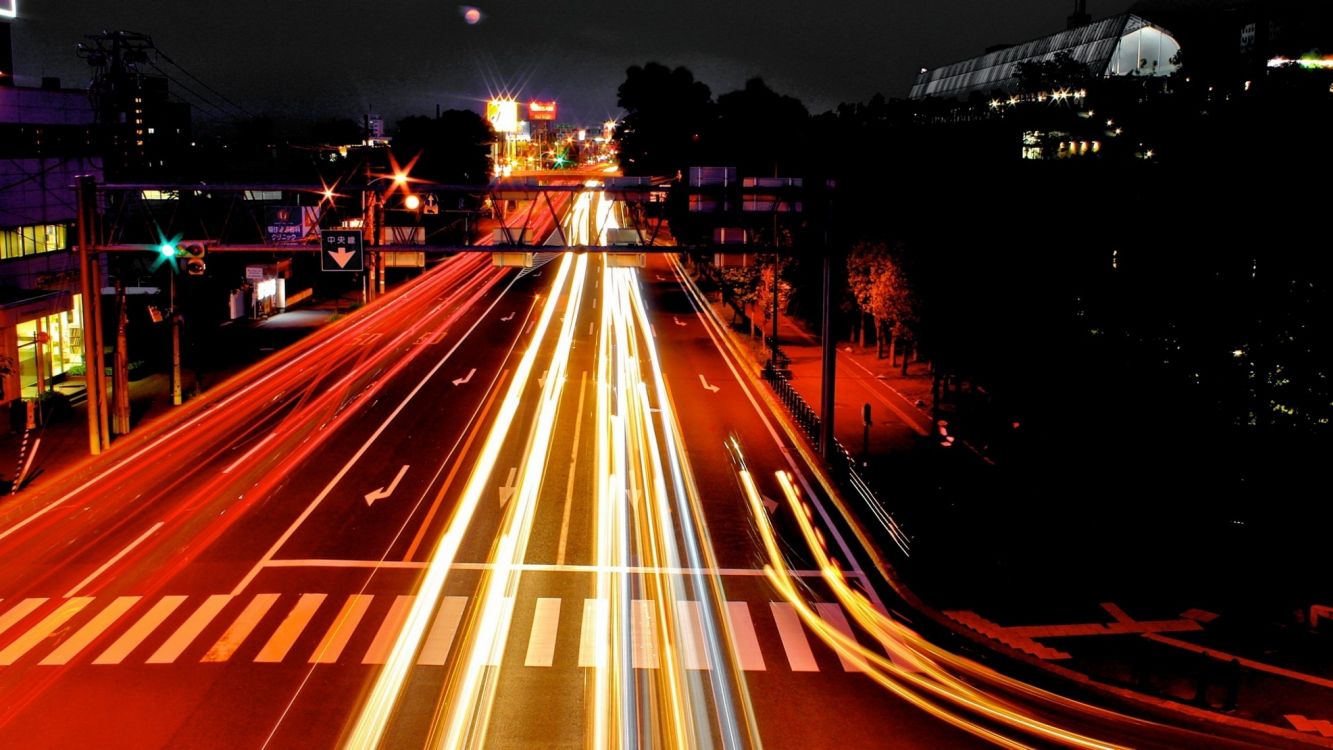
[841, 464]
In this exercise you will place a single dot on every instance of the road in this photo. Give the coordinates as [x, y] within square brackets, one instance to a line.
[542, 508]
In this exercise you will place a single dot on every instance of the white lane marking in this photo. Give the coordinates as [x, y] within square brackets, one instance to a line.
[342, 629]
[249, 453]
[39, 632]
[541, 641]
[93, 576]
[93, 628]
[573, 459]
[744, 639]
[693, 652]
[643, 629]
[20, 611]
[388, 632]
[507, 489]
[831, 613]
[131, 639]
[799, 655]
[441, 636]
[277, 545]
[384, 492]
[594, 611]
[291, 628]
[240, 628]
[189, 629]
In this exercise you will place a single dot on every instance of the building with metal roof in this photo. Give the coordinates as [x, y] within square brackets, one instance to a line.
[1123, 45]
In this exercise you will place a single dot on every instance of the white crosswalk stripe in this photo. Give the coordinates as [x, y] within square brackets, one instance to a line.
[127, 642]
[799, 655]
[340, 632]
[541, 643]
[68, 632]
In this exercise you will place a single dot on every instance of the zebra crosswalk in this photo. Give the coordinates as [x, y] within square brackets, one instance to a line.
[319, 628]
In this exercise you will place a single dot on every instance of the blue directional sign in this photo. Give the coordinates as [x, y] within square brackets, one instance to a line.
[341, 250]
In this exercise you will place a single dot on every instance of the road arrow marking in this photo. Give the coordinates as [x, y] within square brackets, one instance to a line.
[508, 317]
[712, 388]
[679, 322]
[769, 503]
[541, 381]
[341, 256]
[507, 491]
[465, 378]
[384, 492]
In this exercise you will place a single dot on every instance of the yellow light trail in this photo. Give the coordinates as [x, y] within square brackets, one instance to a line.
[373, 719]
[929, 679]
[468, 704]
[648, 505]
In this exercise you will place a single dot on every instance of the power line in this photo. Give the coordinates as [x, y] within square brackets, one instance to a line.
[203, 100]
[196, 79]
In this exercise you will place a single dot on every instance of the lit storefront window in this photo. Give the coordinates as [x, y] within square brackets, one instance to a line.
[49, 346]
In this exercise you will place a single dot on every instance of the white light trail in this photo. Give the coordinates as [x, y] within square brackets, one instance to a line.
[376, 711]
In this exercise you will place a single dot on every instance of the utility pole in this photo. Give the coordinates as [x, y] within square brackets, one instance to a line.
[90, 288]
[120, 379]
[175, 340]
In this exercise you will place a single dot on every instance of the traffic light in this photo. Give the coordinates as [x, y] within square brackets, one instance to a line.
[192, 253]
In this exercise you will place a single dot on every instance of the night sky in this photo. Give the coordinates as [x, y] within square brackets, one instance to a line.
[340, 58]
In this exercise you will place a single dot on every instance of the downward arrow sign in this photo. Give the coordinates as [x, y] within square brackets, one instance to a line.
[712, 388]
[341, 256]
[770, 504]
[541, 381]
[384, 492]
[465, 378]
[507, 491]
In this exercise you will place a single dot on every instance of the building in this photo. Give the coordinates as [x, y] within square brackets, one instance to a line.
[1123, 45]
[47, 139]
[145, 133]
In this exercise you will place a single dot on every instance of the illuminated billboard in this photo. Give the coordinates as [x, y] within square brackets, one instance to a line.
[9, 8]
[503, 115]
[539, 111]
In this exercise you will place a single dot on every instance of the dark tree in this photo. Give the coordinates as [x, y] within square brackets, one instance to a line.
[669, 120]
[761, 131]
[452, 148]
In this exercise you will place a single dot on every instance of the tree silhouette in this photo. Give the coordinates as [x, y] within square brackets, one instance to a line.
[668, 122]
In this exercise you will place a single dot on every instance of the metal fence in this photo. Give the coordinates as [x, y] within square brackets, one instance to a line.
[841, 463]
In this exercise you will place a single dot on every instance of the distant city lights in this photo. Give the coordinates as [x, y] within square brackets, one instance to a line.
[1310, 61]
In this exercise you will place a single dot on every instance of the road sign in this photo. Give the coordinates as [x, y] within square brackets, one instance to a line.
[341, 250]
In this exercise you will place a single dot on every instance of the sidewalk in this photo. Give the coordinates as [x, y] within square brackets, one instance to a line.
[62, 442]
[1208, 673]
